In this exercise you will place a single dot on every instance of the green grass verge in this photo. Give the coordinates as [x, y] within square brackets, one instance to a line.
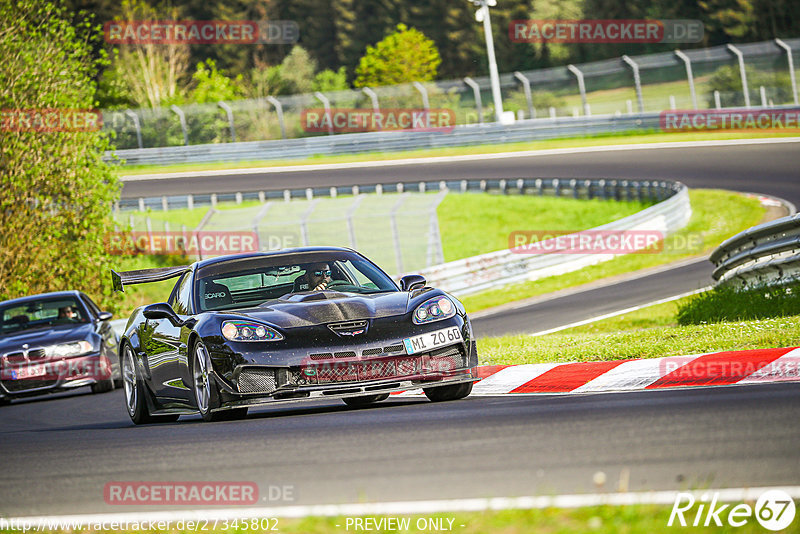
[716, 215]
[651, 332]
[472, 224]
[729, 304]
[587, 141]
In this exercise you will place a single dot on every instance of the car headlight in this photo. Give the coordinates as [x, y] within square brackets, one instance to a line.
[65, 350]
[434, 309]
[249, 331]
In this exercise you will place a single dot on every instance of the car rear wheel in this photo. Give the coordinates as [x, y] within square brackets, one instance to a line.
[206, 394]
[135, 392]
[448, 393]
[365, 399]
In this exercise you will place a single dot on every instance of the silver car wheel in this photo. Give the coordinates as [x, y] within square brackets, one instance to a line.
[202, 386]
[129, 380]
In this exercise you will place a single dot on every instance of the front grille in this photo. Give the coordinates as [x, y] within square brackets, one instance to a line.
[371, 352]
[35, 354]
[321, 356]
[446, 359]
[349, 328]
[25, 384]
[394, 348]
[257, 381]
[345, 354]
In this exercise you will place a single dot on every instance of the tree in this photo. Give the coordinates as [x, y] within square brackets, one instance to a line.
[329, 80]
[401, 57]
[156, 74]
[57, 192]
[211, 85]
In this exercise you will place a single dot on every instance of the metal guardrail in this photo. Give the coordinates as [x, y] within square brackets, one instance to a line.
[476, 134]
[504, 267]
[766, 254]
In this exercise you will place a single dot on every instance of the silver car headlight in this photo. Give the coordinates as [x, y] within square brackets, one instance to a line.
[434, 309]
[66, 350]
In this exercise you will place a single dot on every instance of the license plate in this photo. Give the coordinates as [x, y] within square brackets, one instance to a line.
[433, 340]
[30, 371]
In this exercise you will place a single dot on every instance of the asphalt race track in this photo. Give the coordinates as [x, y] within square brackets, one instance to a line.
[58, 453]
[766, 168]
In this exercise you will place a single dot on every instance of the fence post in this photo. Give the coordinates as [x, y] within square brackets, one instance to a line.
[229, 113]
[738, 53]
[526, 85]
[689, 75]
[179, 112]
[717, 100]
[373, 97]
[763, 92]
[581, 87]
[425, 103]
[351, 229]
[476, 92]
[396, 233]
[279, 110]
[304, 222]
[190, 202]
[164, 204]
[135, 118]
[327, 105]
[789, 58]
[637, 81]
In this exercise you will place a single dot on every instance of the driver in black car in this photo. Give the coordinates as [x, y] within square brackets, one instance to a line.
[316, 278]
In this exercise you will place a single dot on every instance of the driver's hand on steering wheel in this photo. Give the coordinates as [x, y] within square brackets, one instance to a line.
[321, 286]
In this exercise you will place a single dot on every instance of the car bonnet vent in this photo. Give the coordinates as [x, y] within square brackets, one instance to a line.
[349, 328]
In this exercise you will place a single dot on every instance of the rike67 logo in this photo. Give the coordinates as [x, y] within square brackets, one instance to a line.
[774, 510]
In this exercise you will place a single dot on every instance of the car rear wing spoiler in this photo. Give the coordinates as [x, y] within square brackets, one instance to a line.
[144, 276]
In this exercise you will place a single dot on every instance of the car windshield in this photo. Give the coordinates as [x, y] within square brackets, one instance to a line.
[253, 281]
[40, 313]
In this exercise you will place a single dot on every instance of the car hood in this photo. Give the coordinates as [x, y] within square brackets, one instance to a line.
[41, 337]
[308, 309]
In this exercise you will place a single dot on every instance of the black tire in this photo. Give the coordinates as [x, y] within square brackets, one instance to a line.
[448, 393]
[206, 393]
[103, 386]
[135, 392]
[5, 401]
[365, 399]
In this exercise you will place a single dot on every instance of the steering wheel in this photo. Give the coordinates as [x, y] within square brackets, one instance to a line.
[337, 283]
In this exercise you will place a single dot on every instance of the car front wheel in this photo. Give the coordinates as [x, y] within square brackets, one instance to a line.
[135, 392]
[448, 393]
[365, 399]
[206, 393]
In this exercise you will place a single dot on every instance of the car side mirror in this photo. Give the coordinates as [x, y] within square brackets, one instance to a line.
[410, 282]
[162, 310]
[104, 316]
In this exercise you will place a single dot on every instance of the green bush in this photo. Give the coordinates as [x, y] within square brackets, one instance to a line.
[728, 81]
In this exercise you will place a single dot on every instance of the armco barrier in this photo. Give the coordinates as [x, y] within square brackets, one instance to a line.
[503, 267]
[766, 254]
[356, 143]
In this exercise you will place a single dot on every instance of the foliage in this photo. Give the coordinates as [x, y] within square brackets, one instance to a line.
[329, 80]
[57, 191]
[212, 85]
[297, 71]
[401, 57]
[156, 74]
[728, 81]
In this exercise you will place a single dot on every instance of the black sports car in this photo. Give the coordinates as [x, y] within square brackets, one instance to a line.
[306, 323]
[55, 341]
